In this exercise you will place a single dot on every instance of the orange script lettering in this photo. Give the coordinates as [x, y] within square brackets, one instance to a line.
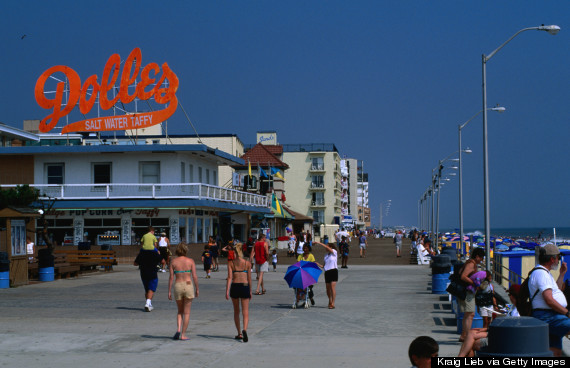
[79, 93]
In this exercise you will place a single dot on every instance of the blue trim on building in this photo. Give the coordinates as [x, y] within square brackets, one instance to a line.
[157, 148]
[157, 203]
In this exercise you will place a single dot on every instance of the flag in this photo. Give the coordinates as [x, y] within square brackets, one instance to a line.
[262, 172]
[248, 168]
[276, 172]
[276, 206]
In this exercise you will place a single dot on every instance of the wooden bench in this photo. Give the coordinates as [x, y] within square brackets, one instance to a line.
[61, 267]
[89, 259]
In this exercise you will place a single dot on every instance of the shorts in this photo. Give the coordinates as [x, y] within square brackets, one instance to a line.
[362, 246]
[183, 290]
[274, 264]
[558, 326]
[163, 252]
[331, 275]
[150, 284]
[467, 305]
[239, 291]
[262, 267]
[485, 312]
[207, 266]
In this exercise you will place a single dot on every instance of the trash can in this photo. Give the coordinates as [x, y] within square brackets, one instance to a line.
[517, 336]
[326, 239]
[4, 271]
[477, 321]
[45, 265]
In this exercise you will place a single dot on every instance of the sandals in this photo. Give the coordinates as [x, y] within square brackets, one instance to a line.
[257, 293]
[238, 337]
[245, 338]
[263, 291]
[176, 336]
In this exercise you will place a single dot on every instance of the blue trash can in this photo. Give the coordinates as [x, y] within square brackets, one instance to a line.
[439, 283]
[326, 239]
[46, 274]
[4, 280]
[477, 321]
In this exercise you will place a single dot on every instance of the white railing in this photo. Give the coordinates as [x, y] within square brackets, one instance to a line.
[147, 191]
[320, 202]
[318, 167]
[317, 185]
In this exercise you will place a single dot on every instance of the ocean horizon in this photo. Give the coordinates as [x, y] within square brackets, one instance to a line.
[522, 232]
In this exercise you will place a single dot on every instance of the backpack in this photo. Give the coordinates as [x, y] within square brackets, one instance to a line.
[524, 300]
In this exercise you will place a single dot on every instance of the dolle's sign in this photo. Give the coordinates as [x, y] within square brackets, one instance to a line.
[147, 87]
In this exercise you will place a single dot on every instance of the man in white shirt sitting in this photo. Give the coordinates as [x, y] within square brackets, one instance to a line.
[548, 302]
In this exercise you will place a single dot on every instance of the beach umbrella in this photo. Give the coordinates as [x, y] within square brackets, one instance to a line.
[302, 274]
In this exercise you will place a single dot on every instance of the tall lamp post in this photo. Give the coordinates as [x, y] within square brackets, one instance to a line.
[467, 150]
[436, 185]
[552, 29]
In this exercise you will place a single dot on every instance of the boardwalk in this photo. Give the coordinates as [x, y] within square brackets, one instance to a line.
[98, 320]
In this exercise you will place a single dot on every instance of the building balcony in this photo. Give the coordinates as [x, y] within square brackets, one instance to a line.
[317, 186]
[317, 168]
[147, 191]
[318, 203]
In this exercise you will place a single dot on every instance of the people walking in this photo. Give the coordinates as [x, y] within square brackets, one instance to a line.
[207, 260]
[344, 251]
[163, 244]
[331, 272]
[213, 247]
[260, 253]
[238, 287]
[398, 242]
[363, 244]
[183, 275]
[148, 261]
[308, 257]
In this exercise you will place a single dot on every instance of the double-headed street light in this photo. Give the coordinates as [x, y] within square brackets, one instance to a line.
[499, 109]
[552, 29]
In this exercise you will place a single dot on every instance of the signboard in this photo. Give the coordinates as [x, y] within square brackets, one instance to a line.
[90, 90]
[267, 138]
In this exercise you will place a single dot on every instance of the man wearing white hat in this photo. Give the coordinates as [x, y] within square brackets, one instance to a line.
[548, 302]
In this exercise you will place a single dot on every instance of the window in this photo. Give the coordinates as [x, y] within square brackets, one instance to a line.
[317, 163]
[149, 171]
[318, 199]
[199, 174]
[55, 173]
[207, 176]
[182, 173]
[318, 181]
[214, 177]
[199, 230]
[191, 173]
[101, 172]
[318, 217]
[18, 228]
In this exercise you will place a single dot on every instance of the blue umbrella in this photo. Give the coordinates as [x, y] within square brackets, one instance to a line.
[302, 274]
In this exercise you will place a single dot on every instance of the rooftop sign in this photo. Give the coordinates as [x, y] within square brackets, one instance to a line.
[146, 88]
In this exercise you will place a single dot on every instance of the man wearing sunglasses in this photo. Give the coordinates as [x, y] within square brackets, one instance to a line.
[549, 303]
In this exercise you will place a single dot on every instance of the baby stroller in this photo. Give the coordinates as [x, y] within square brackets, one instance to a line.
[301, 276]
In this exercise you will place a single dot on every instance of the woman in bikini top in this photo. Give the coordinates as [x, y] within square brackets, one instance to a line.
[182, 272]
[238, 287]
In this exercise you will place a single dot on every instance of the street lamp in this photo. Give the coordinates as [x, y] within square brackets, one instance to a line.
[437, 186]
[499, 109]
[552, 29]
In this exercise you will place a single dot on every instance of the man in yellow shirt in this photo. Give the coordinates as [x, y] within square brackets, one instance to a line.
[148, 240]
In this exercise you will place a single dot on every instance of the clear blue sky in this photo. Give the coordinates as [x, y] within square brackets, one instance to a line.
[386, 81]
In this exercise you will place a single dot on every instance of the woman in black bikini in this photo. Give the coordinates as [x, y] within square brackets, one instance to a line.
[238, 288]
[184, 269]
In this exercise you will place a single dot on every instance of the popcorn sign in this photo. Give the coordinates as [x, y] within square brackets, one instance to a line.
[147, 88]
